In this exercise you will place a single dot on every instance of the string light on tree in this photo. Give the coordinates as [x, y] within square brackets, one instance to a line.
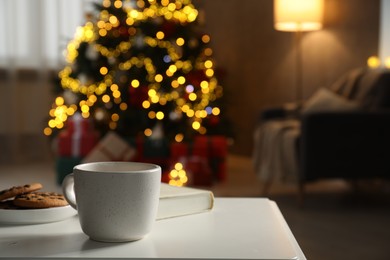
[178, 175]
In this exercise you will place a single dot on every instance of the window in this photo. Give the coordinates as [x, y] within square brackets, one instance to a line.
[33, 34]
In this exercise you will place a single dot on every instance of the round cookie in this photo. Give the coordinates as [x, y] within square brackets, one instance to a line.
[39, 200]
[8, 204]
[18, 190]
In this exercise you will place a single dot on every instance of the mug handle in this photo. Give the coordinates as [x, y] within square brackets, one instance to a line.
[68, 190]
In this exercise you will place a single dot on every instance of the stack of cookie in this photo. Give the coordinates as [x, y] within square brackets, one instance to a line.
[29, 197]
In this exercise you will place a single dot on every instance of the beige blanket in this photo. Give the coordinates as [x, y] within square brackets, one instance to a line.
[274, 154]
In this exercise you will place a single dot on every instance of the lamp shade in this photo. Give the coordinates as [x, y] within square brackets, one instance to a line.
[298, 15]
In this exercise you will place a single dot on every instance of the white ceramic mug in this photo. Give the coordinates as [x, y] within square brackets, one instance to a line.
[116, 201]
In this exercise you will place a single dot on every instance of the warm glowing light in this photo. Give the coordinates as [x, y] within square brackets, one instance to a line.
[172, 68]
[180, 41]
[106, 3]
[208, 52]
[116, 94]
[102, 32]
[205, 38]
[160, 115]
[112, 125]
[216, 111]
[59, 101]
[140, 3]
[160, 35]
[208, 64]
[192, 96]
[106, 98]
[123, 106]
[152, 92]
[179, 138]
[158, 78]
[209, 72]
[152, 114]
[373, 62]
[52, 123]
[70, 111]
[178, 175]
[196, 125]
[85, 114]
[47, 131]
[204, 84]
[115, 117]
[178, 166]
[298, 15]
[171, 7]
[148, 132]
[175, 84]
[118, 4]
[387, 62]
[92, 98]
[181, 80]
[103, 70]
[135, 83]
[146, 104]
[190, 113]
[113, 20]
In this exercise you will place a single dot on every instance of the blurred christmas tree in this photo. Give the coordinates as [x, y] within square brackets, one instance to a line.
[141, 66]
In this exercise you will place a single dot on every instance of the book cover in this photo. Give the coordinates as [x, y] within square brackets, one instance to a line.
[181, 201]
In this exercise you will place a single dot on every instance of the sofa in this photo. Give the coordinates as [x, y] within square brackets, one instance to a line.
[341, 131]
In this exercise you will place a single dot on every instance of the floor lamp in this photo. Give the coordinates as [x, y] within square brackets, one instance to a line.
[298, 16]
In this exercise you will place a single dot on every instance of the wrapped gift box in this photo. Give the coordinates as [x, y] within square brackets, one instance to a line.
[206, 146]
[211, 148]
[198, 171]
[64, 166]
[155, 148]
[78, 139]
[111, 148]
[151, 150]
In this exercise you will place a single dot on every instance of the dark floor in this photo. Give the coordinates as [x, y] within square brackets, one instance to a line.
[335, 222]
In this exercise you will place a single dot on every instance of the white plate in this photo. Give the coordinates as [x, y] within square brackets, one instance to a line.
[35, 216]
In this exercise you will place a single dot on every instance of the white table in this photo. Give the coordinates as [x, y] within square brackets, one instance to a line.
[237, 228]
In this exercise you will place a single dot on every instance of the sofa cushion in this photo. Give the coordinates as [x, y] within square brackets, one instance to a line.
[378, 96]
[346, 85]
[324, 100]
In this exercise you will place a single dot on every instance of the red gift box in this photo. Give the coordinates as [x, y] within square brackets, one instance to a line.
[195, 171]
[111, 148]
[199, 171]
[210, 148]
[152, 151]
[78, 139]
[204, 146]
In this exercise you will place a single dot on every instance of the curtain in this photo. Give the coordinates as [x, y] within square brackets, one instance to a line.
[34, 32]
[33, 36]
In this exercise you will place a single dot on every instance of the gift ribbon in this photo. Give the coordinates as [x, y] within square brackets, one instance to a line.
[122, 155]
[76, 136]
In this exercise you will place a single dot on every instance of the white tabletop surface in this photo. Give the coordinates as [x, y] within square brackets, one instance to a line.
[236, 228]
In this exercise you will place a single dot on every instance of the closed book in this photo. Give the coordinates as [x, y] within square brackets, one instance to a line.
[181, 201]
